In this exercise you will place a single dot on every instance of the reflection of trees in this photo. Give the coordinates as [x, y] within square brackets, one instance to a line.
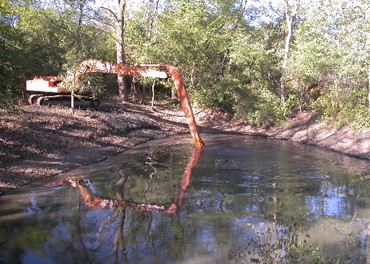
[259, 212]
[114, 221]
[119, 243]
[278, 196]
[281, 206]
[94, 201]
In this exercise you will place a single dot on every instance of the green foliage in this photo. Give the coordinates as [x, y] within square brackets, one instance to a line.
[252, 66]
[37, 40]
[196, 38]
[221, 96]
[229, 58]
[330, 59]
[344, 107]
[6, 97]
[259, 108]
[10, 77]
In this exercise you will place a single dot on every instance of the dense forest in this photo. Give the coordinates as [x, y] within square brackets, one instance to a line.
[258, 60]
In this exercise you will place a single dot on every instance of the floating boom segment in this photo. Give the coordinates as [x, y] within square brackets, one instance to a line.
[146, 70]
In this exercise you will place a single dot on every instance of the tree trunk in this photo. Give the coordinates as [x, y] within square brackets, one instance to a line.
[153, 93]
[289, 21]
[173, 94]
[81, 7]
[368, 87]
[152, 11]
[120, 44]
[290, 12]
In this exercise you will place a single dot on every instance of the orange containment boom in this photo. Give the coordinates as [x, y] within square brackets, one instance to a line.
[146, 70]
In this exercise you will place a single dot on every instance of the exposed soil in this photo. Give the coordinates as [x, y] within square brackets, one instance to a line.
[41, 142]
[307, 129]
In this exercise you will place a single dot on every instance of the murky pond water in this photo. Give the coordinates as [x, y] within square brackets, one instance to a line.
[239, 200]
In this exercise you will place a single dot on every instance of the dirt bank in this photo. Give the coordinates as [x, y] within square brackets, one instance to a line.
[42, 142]
[305, 128]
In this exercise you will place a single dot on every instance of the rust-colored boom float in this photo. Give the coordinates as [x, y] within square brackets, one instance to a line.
[146, 70]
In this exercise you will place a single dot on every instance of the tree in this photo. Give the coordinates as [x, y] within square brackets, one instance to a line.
[120, 41]
[117, 20]
[290, 8]
[9, 55]
[332, 52]
[196, 36]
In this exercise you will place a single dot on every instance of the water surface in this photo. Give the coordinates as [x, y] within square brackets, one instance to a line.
[241, 199]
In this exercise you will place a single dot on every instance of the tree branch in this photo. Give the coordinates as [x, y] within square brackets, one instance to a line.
[111, 12]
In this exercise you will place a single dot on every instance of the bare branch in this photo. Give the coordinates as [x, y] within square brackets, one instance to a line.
[111, 12]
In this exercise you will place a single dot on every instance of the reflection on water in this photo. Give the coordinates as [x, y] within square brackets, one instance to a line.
[239, 200]
[95, 201]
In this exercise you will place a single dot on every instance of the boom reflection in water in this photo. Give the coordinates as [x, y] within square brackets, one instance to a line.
[95, 201]
[250, 200]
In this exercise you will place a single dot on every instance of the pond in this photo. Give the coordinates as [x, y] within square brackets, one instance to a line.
[241, 199]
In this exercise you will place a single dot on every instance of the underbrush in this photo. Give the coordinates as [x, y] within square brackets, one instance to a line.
[344, 109]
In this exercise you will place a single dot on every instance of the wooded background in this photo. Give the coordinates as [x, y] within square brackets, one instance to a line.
[257, 60]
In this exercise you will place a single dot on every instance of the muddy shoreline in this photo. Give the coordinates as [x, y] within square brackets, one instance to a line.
[42, 142]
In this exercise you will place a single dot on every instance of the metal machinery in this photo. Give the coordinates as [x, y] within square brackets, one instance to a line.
[49, 90]
[52, 88]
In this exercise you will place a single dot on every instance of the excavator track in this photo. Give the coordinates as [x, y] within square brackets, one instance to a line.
[32, 99]
[82, 102]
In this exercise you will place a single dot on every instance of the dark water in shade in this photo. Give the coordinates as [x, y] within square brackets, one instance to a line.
[240, 200]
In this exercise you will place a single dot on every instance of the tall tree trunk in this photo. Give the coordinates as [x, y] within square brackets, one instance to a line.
[153, 94]
[81, 7]
[290, 12]
[78, 44]
[152, 12]
[368, 87]
[120, 46]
